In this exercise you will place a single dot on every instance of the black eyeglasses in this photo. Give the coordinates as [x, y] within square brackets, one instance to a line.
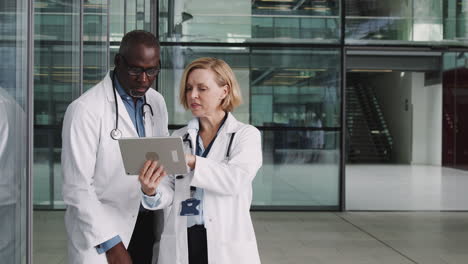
[137, 71]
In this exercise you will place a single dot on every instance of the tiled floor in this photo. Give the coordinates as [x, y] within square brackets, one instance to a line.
[321, 237]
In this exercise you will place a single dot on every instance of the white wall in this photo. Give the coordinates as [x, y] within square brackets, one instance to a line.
[427, 122]
[392, 90]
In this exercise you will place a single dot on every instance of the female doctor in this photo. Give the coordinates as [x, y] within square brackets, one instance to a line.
[207, 216]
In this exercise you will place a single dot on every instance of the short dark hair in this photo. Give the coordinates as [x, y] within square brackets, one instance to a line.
[137, 37]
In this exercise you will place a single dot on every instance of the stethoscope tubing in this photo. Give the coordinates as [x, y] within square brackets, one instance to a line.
[115, 133]
[186, 139]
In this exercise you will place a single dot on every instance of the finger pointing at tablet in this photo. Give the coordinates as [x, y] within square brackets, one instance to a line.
[150, 176]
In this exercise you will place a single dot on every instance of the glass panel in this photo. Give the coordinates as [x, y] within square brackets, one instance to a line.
[401, 21]
[174, 60]
[300, 168]
[295, 87]
[116, 21]
[378, 20]
[248, 21]
[292, 95]
[13, 158]
[124, 18]
[456, 20]
[56, 84]
[130, 15]
[95, 60]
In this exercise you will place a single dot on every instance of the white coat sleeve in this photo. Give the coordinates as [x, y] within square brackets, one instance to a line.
[80, 140]
[165, 193]
[229, 178]
[164, 127]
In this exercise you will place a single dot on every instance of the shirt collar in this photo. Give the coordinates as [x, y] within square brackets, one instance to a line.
[121, 91]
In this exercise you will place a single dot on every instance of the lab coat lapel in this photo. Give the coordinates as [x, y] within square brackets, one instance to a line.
[128, 128]
[231, 125]
[148, 125]
[192, 130]
[125, 123]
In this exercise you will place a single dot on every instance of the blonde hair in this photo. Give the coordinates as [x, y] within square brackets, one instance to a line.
[224, 76]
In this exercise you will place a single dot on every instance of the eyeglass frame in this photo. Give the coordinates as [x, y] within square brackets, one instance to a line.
[139, 70]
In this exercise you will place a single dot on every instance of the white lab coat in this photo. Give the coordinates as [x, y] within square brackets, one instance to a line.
[227, 188]
[12, 150]
[12, 177]
[102, 201]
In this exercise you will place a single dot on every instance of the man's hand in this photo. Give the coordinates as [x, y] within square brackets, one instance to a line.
[118, 255]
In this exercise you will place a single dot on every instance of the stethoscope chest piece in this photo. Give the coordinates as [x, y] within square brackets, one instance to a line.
[116, 134]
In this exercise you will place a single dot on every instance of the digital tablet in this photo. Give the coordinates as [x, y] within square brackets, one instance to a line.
[167, 150]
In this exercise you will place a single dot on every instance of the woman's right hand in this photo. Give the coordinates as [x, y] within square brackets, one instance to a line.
[150, 176]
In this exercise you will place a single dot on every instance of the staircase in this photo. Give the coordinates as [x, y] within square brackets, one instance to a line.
[368, 137]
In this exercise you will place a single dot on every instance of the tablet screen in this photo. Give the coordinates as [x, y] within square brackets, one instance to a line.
[167, 150]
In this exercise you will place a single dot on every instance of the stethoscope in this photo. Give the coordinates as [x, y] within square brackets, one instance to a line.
[115, 133]
[186, 139]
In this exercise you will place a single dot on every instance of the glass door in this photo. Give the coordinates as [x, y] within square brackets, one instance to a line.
[13, 147]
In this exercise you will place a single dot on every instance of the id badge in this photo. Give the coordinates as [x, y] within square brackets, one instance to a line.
[189, 207]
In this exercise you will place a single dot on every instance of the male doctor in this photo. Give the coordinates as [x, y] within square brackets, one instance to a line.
[103, 203]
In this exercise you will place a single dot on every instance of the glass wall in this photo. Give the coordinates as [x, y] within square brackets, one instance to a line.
[13, 148]
[75, 44]
[57, 83]
[295, 101]
[286, 54]
[292, 94]
[95, 42]
[227, 21]
[403, 21]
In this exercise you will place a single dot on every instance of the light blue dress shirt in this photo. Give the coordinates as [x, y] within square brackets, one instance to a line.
[134, 111]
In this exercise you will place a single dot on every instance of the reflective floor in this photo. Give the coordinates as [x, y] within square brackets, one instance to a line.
[321, 237]
[406, 187]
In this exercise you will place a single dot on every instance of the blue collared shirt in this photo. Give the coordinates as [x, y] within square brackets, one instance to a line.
[108, 244]
[134, 111]
[136, 115]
